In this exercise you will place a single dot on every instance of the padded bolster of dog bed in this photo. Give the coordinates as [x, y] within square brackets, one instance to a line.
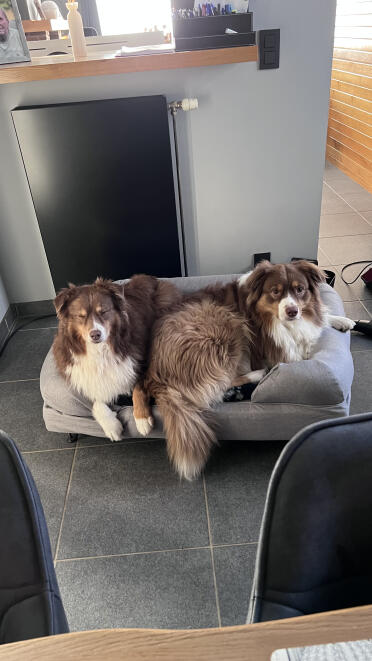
[323, 380]
[58, 395]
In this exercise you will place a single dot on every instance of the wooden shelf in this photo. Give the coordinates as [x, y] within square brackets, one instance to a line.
[100, 64]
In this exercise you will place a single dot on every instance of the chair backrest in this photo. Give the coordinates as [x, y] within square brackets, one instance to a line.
[30, 603]
[315, 545]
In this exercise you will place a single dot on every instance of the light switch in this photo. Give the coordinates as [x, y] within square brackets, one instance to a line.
[269, 44]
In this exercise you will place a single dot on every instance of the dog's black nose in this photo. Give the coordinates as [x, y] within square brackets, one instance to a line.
[291, 311]
[95, 335]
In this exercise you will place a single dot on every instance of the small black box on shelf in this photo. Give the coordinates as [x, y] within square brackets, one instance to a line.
[203, 26]
[203, 32]
[215, 41]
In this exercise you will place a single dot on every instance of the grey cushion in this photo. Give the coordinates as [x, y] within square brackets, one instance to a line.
[288, 398]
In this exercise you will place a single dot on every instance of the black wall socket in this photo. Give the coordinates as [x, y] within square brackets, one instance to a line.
[260, 256]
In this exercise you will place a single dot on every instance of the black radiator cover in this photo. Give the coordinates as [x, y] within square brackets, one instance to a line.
[101, 179]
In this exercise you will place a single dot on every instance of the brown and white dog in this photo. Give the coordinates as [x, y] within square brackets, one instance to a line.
[214, 340]
[103, 338]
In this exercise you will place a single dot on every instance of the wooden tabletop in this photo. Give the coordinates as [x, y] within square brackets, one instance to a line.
[99, 63]
[254, 642]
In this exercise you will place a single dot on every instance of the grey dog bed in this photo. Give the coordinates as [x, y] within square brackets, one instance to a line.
[287, 399]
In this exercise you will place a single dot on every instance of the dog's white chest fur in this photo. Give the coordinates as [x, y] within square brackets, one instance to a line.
[296, 338]
[100, 374]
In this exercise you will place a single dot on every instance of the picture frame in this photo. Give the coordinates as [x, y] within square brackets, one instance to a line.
[13, 45]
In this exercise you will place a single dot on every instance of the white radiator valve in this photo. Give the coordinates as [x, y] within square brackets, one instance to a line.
[189, 104]
[185, 104]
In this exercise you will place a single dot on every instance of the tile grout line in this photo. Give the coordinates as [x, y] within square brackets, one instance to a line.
[64, 507]
[353, 351]
[49, 450]
[346, 202]
[366, 309]
[212, 554]
[341, 236]
[134, 553]
[95, 445]
[125, 555]
[220, 546]
[19, 380]
[26, 330]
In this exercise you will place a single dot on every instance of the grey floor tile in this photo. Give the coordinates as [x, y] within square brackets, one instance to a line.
[332, 172]
[347, 292]
[332, 203]
[125, 498]
[172, 590]
[94, 441]
[361, 391]
[51, 472]
[345, 185]
[21, 416]
[237, 478]
[234, 567]
[355, 291]
[323, 260]
[87, 441]
[35, 308]
[359, 201]
[344, 249]
[360, 342]
[367, 215]
[368, 306]
[24, 355]
[343, 224]
[355, 310]
[48, 322]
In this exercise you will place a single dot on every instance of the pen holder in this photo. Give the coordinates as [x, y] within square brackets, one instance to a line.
[202, 32]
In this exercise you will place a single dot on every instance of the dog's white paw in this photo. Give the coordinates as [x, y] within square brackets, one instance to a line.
[342, 324]
[144, 425]
[113, 429]
[256, 376]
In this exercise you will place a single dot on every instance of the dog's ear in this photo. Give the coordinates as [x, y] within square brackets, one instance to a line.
[256, 280]
[314, 273]
[115, 290]
[63, 298]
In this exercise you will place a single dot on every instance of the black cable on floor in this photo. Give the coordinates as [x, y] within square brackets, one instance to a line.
[17, 328]
[363, 261]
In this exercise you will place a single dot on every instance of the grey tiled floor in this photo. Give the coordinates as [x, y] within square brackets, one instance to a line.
[134, 546]
[345, 236]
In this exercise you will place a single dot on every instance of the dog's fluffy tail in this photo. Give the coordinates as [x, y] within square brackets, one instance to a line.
[189, 437]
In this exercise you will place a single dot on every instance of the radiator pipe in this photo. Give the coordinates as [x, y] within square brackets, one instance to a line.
[174, 107]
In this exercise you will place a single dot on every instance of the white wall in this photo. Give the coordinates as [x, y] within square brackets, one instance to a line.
[4, 303]
[252, 155]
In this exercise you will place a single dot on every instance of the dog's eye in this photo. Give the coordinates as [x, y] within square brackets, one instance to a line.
[275, 291]
[106, 311]
[300, 289]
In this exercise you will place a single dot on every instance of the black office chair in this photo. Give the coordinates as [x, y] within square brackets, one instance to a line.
[30, 603]
[315, 548]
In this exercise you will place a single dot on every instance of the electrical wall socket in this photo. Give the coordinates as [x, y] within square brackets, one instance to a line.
[260, 256]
